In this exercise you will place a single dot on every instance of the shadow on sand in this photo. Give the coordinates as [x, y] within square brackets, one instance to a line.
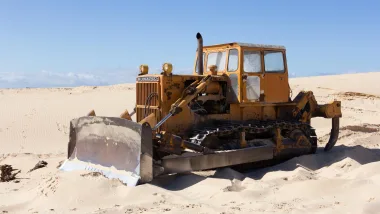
[312, 162]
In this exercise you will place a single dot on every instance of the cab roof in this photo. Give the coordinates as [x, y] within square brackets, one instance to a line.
[242, 44]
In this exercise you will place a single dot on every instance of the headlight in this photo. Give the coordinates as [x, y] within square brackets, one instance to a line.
[167, 67]
[144, 69]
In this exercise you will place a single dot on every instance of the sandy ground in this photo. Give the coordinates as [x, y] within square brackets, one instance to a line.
[34, 127]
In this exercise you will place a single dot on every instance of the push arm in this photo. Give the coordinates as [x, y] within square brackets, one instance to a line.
[188, 95]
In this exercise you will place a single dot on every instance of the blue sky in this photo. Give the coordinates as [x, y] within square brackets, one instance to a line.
[67, 43]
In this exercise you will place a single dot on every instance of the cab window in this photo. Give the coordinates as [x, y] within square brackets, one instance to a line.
[233, 60]
[218, 59]
[252, 61]
[274, 62]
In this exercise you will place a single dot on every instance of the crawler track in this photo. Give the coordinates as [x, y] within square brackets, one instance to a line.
[225, 135]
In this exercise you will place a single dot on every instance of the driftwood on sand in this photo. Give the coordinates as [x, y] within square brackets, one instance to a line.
[8, 173]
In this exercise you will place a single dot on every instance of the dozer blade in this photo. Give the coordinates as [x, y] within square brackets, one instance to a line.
[334, 134]
[116, 147]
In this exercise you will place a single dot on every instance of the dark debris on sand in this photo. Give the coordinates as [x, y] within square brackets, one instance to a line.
[8, 173]
[40, 164]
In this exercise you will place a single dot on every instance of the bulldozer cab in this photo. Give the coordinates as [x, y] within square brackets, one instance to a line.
[258, 73]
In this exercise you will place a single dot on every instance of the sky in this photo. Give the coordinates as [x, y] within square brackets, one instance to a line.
[71, 43]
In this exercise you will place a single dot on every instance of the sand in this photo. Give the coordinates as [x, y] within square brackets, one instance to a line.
[34, 127]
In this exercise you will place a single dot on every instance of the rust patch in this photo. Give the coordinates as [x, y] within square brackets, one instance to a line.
[169, 94]
[173, 87]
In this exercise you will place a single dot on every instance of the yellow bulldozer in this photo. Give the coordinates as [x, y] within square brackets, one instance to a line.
[236, 108]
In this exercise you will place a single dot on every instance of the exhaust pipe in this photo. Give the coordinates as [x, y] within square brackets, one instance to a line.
[200, 53]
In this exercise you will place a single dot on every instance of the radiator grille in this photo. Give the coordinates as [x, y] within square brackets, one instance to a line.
[143, 91]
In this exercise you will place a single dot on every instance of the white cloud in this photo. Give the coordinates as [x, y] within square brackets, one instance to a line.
[11, 77]
[70, 79]
[55, 79]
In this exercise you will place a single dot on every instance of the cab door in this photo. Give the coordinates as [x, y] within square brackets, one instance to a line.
[276, 77]
[252, 78]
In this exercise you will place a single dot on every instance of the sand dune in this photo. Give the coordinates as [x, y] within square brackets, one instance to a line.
[34, 126]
